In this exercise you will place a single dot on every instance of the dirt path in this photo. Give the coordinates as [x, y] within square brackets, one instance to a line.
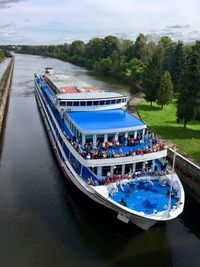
[133, 102]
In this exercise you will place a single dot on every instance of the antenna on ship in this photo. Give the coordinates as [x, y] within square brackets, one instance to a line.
[170, 190]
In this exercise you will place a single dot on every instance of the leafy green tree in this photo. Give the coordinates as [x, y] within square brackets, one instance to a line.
[95, 48]
[124, 46]
[144, 48]
[185, 108]
[115, 57]
[137, 68]
[1, 54]
[90, 63]
[141, 47]
[152, 75]
[77, 48]
[176, 64]
[130, 52]
[165, 42]
[168, 47]
[104, 65]
[111, 44]
[165, 91]
[123, 66]
[189, 97]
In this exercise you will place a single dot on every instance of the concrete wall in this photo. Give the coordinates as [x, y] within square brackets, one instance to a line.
[5, 84]
[188, 172]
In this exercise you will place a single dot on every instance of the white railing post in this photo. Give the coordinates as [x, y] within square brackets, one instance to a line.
[170, 190]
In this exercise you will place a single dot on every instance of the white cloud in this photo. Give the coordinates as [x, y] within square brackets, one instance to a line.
[178, 26]
[54, 21]
[6, 3]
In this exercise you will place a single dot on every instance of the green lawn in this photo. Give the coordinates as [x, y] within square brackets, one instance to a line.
[164, 123]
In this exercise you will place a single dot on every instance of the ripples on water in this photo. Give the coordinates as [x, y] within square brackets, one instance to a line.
[45, 221]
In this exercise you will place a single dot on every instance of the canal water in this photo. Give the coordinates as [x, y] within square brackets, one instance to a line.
[45, 221]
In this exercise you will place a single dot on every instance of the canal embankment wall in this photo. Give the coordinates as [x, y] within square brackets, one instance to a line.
[188, 171]
[5, 84]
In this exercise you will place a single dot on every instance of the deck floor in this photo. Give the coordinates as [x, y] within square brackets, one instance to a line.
[145, 200]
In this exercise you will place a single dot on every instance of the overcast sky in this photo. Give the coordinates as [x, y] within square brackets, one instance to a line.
[62, 21]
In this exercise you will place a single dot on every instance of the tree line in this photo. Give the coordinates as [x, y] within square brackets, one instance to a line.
[4, 52]
[1, 54]
[160, 66]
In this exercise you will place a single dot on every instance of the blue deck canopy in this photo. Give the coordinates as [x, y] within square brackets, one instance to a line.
[105, 120]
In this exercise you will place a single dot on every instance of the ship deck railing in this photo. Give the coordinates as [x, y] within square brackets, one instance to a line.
[146, 194]
[137, 176]
[141, 147]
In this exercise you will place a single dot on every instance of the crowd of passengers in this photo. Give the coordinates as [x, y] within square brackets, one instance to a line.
[119, 177]
[102, 149]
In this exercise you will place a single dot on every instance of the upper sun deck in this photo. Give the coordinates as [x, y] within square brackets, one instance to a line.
[71, 94]
[89, 95]
[105, 121]
[68, 84]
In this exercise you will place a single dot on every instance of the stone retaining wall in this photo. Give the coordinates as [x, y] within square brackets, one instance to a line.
[188, 172]
[5, 84]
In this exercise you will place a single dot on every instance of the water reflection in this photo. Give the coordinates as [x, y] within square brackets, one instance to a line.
[113, 241]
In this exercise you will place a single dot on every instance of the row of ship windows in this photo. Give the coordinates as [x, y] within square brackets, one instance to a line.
[118, 168]
[92, 103]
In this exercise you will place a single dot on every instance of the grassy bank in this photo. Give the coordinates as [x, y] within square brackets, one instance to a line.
[164, 123]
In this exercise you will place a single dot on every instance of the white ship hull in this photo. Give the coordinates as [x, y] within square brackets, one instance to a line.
[124, 214]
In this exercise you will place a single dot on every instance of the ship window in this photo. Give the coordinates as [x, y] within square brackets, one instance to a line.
[102, 102]
[121, 134]
[100, 138]
[69, 103]
[138, 166]
[105, 170]
[76, 132]
[118, 169]
[113, 101]
[80, 138]
[83, 103]
[110, 137]
[150, 163]
[89, 103]
[107, 102]
[94, 170]
[119, 100]
[62, 103]
[121, 138]
[131, 134]
[95, 103]
[78, 135]
[76, 104]
[124, 99]
[89, 138]
[128, 167]
[73, 128]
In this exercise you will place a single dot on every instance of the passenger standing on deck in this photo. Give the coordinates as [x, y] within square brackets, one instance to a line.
[129, 175]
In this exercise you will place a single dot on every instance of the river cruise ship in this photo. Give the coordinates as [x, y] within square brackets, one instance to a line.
[109, 154]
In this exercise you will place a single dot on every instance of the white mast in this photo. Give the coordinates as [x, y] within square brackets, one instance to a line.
[170, 190]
